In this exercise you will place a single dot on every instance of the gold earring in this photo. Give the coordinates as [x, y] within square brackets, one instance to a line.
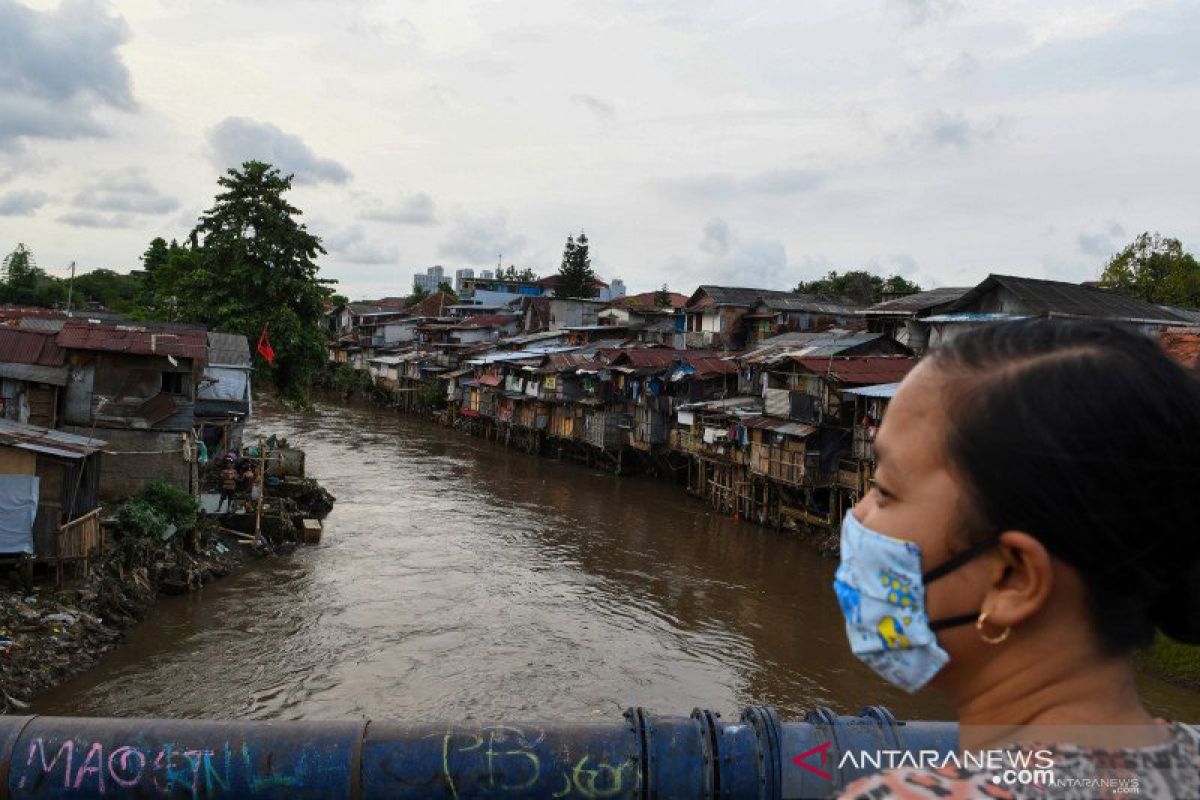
[990, 639]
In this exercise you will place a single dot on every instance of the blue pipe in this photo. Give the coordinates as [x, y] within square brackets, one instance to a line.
[643, 756]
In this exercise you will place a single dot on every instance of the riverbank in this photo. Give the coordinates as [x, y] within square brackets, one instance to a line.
[160, 543]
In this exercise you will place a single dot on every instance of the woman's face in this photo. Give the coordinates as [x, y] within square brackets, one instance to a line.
[917, 496]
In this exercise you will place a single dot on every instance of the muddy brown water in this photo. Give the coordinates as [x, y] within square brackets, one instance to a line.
[459, 580]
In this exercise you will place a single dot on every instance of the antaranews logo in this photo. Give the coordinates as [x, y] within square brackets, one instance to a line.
[1030, 768]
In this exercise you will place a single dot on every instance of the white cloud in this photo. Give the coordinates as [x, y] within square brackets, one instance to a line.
[414, 209]
[481, 239]
[127, 191]
[353, 245]
[601, 108]
[21, 202]
[236, 140]
[57, 69]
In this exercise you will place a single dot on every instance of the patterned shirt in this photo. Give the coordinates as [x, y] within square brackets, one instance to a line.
[1167, 771]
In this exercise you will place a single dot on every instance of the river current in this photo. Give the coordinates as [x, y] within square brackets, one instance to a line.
[460, 580]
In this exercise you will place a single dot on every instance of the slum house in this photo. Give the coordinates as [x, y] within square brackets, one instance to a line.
[999, 298]
[715, 315]
[33, 372]
[709, 435]
[797, 313]
[574, 312]
[49, 482]
[223, 396]
[137, 385]
[900, 317]
[832, 477]
[757, 365]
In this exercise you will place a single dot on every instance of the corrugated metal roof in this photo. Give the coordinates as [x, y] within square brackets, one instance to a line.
[973, 316]
[1036, 296]
[807, 303]
[777, 425]
[861, 370]
[487, 321]
[1190, 314]
[45, 324]
[712, 367]
[30, 347]
[45, 440]
[82, 335]
[878, 390]
[228, 349]
[1184, 345]
[735, 295]
[56, 376]
[921, 301]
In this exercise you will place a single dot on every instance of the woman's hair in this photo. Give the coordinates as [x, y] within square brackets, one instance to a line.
[1086, 435]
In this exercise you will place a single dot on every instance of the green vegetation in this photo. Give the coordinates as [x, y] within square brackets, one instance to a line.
[1156, 269]
[159, 506]
[575, 276]
[430, 397]
[858, 286]
[345, 380]
[1172, 661]
[662, 298]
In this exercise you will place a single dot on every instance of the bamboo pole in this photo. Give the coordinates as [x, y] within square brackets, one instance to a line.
[262, 461]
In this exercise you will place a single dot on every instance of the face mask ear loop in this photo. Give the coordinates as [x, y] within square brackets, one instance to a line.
[953, 563]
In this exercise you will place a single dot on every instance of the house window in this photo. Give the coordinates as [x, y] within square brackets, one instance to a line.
[173, 383]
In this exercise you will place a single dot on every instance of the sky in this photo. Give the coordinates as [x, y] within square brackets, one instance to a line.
[697, 141]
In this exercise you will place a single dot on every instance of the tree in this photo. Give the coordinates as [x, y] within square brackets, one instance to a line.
[254, 263]
[445, 288]
[898, 286]
[857, 286]
[419, 293]
[575, 276]
[25, 283]
[662, 298]
[1156, 269]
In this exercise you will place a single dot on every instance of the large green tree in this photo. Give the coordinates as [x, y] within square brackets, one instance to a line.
[1156, 269]
[253, 263]
[25, 283]
[575, 276]
[857, 286]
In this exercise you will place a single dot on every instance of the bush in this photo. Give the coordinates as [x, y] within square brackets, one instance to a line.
[139, 519]
[173, 502]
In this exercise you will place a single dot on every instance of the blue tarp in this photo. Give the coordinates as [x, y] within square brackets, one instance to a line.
[18, 507]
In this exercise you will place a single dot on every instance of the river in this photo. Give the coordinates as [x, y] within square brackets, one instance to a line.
[459, 580]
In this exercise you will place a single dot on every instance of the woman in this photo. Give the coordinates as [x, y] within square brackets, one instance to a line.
[1033, 521]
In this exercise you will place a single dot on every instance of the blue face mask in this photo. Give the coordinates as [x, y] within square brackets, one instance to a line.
[881, 590]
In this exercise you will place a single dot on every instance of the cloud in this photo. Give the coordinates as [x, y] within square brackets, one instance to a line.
[785, 181]
[21, 202]
[480, 239]
[722, 186]
[919, 12]
[1101, 243]
[741, 262]
[414, 209]
[601, 108]
[93, 219]
[124, 191]
[235, 140]
[57, 67]
[716, 237]
[351, 244]
[942, 129]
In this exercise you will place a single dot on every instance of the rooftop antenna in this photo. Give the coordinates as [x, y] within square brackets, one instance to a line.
[70, 287]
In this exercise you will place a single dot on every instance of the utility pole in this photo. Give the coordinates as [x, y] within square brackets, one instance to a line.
[70, 288]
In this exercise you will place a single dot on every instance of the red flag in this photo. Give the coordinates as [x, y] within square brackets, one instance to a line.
[264, 347]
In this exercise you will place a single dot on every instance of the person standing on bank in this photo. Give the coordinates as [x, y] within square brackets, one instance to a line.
[1032, 523]
[229, 480]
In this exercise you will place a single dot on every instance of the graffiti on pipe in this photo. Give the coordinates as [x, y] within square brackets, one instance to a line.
[169, 769]
[507, 760]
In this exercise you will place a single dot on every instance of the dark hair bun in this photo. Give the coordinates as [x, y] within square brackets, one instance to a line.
[1178, 611]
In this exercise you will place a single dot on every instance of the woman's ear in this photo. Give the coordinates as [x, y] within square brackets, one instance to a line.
[1022, 579]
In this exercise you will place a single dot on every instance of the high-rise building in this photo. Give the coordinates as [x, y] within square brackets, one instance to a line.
[616, 288]
[461, 275]
[430, 279]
